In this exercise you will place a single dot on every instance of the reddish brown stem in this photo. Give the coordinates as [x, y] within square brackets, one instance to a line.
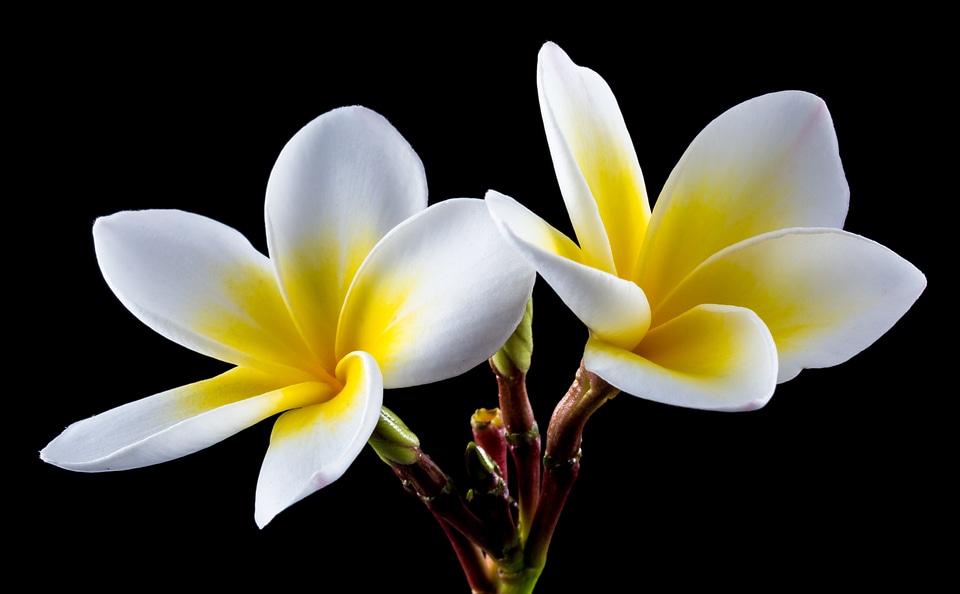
[561, 461]
[471, 559]
[523, 439]
[424, 479]
[488, 432]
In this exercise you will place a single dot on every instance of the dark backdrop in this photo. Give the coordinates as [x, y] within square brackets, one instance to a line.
[839, 472]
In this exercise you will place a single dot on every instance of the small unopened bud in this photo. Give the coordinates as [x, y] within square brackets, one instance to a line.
[488, 432]
[484, 472]
[393, 441]
[515, 354]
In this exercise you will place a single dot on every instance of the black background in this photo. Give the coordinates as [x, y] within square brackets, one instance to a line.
[839, 477]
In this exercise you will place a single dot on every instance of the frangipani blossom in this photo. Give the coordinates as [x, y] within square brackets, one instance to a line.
[365, 288]
[740, 276]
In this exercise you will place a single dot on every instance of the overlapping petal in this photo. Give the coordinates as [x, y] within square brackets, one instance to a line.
[312, 446]
[202, 285]
[442, 292]
[596, 164]
[712, 357]
[430, 297]
[178, 422]
[339, 185]
[825, 294]
[747, 275]
[769, 163]
[615, 310]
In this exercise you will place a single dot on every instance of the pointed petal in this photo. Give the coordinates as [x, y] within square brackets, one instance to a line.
[712, 357]
[313, 446]
[615, 310]
[200, 284]
[440, 294]
[338, 186]
[824, 294]
[177, 422]
[767, 164]
[596, 164]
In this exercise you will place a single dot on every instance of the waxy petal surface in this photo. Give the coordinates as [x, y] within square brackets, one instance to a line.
[615, 310]
[595, 161]
[339, 185]
[440, 294]
[769, 163]
[177, 422]
[712, 357]
[202, 285]
[313, 446]
[356, 263]
[824, 294]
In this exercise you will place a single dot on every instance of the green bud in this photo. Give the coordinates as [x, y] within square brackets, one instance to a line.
[393, 441]
[516, 352]
[480, 465]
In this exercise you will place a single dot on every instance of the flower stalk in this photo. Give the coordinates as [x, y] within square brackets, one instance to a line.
[510, 365]
[478, 544]
[489, 499]
[561, 461]
[488, 433]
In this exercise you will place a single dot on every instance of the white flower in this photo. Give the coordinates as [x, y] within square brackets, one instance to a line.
[738, 279]
[365, 289]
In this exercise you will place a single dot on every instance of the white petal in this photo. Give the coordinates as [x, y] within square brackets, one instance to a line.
[200, 284]
[824, 294]
[440, 294]
[767, 164]
[615, 310]
[712, 357]
[177, 422]
[313, 446]
[338, 186]
[595, 162]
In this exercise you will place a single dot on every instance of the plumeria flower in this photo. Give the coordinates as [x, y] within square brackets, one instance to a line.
[740, 276]
[365, 288]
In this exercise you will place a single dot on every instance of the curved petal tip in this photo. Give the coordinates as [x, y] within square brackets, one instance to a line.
[313, 446]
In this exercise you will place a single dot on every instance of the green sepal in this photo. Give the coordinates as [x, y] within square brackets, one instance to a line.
[480, 466]
[393, 441]
[515, 354]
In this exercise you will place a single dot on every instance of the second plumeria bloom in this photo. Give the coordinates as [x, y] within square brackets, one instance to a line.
[740, 276]
[365, 288]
